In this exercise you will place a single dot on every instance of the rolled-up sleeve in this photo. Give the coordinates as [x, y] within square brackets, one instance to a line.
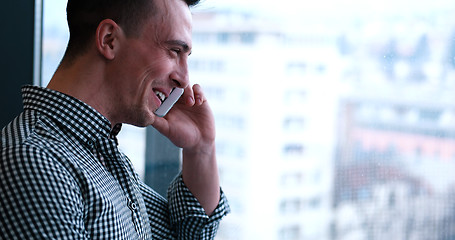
[188, 217]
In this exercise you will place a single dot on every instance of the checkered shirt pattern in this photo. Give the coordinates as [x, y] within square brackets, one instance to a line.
[63, 177]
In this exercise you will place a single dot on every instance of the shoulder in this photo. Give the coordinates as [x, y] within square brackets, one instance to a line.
[31, 152]
[36, 188]
[30, 130]
[27, 141]
[31, 143]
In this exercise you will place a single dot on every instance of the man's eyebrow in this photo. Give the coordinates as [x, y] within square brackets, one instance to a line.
[180, 43]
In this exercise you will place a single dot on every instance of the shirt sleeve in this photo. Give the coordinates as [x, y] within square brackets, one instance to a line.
[188, 217]
[181, 216]
[38, 198]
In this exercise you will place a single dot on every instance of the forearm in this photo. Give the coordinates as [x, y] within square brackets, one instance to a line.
[200, 175]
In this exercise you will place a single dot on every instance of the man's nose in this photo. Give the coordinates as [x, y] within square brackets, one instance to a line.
[181, 76]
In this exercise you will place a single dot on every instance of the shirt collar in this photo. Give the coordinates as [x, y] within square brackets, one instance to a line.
[83, 121]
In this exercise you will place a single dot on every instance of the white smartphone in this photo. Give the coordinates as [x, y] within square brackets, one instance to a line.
[169, 102]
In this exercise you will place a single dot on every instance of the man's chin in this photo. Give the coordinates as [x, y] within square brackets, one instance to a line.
[143, 120]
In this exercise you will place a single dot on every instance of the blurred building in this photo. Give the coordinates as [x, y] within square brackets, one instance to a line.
[284, 95]
[395, 167]
[396, 134]
[274, 99]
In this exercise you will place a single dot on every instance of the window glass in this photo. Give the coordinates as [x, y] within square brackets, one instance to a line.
[55, 37]
[335, 119]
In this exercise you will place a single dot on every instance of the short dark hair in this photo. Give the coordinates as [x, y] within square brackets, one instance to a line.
[83, 17]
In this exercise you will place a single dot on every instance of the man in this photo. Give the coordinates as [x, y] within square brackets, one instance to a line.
[62, 176]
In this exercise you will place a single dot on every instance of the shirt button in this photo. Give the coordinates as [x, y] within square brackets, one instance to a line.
[90, 143]
[132, 205]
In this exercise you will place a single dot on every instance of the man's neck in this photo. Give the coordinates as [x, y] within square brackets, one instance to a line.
[84, 80]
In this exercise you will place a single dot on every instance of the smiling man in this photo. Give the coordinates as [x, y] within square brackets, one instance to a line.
[62, 175]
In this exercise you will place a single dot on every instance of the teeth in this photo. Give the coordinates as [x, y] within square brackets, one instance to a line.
[160, 95]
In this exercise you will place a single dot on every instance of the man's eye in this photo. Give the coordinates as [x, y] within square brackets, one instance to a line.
[176, 50]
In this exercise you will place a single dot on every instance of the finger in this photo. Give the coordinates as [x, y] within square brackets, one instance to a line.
[198, 94]
[188, 96]
[161, 124]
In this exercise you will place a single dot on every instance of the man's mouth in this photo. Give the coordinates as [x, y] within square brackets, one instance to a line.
[160, 95]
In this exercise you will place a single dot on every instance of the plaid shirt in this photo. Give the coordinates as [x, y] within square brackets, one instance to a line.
[63, 177]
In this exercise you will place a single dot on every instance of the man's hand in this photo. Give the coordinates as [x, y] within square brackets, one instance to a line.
[190, 125]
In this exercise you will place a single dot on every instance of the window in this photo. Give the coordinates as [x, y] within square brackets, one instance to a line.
[293, 149]
[348, 104]
[290, 206]
[297, 68]
[207, 65]
[224, 37]
[291, 179]
[290, 233]
[295, 97]
[292, 123]
[247, 37]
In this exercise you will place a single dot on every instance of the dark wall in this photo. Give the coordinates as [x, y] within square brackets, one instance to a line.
[16, 55]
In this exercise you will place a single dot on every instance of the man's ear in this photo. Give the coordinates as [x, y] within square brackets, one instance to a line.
[107, 38]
